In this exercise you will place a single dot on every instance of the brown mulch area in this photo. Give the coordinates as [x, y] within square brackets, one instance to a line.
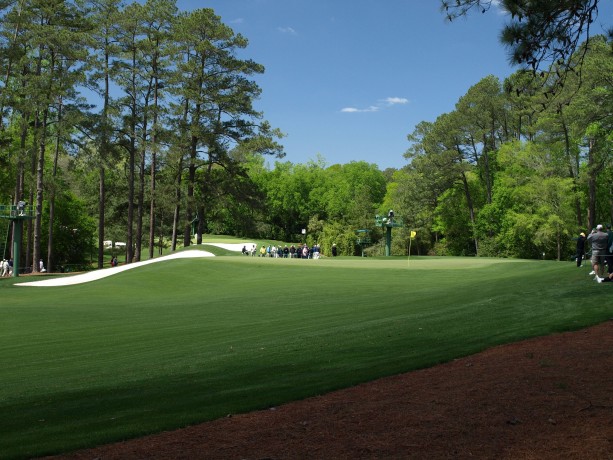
[545, 398]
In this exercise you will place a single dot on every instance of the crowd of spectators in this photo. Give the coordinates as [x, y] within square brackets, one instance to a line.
[284, 252]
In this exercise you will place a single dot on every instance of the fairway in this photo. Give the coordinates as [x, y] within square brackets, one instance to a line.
[187, 340]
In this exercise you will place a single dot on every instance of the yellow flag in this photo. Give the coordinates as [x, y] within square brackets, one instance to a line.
[413, 234]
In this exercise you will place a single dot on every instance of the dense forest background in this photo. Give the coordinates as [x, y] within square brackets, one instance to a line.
[136, 123]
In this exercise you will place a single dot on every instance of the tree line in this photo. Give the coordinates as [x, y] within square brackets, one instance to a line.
[146, 108]
[516, 169]
[519, 168]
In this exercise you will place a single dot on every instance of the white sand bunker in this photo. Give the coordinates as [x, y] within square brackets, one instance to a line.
[99, 274]
[103, 273]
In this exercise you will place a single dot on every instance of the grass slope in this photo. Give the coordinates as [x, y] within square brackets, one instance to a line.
[184, 341]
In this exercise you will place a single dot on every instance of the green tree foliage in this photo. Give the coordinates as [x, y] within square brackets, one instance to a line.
[312, 196]
[74, 232]
[104, 52]
[545, 33]
[43, 54]
[174, 102]
[216, 108]
[533, 212]
[519, 172]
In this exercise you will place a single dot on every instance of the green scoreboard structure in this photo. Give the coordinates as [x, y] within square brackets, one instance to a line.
[388, 223]
[17, 213]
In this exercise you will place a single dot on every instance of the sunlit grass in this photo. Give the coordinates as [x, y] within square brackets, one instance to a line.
[183, 341]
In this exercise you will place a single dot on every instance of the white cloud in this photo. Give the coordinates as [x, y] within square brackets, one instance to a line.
[287, 30]
[395, 100]
[499, 7]
[237, 21]
[372, 108]
[383, 103]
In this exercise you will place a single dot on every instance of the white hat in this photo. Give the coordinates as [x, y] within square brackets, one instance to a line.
[599, 227]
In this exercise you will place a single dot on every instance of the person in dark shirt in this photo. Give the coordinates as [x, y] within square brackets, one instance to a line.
[609, 256]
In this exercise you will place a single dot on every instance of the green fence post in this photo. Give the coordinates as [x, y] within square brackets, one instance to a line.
[17, 232]
[388, 241]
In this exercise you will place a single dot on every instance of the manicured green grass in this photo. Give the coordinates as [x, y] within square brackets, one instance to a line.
[183, 341]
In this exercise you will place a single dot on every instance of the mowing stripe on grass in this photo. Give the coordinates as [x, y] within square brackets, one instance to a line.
[191, 340]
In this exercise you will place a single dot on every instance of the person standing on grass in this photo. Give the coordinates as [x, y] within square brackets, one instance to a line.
[580, 248]
[609, 256]
[598, 240]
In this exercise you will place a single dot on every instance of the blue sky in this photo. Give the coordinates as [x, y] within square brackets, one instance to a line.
[349, 79]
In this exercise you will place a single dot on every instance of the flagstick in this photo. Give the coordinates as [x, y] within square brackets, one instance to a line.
[409, 259]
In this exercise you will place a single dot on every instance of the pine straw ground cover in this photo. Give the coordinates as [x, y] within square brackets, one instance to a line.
[543, 398]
